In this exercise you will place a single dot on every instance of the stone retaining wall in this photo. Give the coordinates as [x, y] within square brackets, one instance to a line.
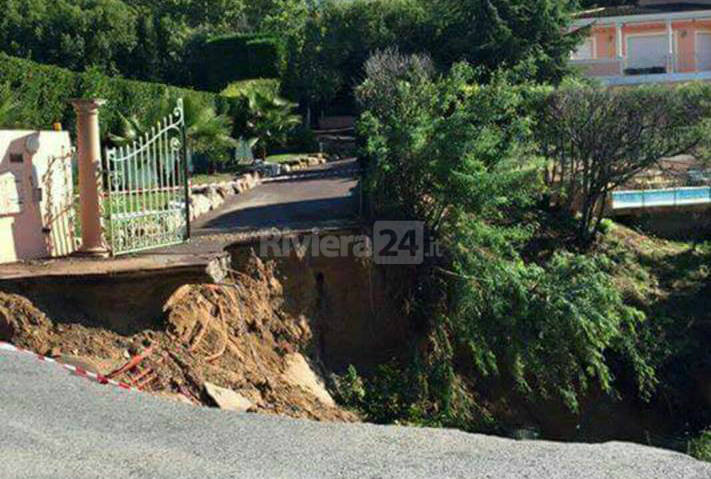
[205, 198]
[304, 162]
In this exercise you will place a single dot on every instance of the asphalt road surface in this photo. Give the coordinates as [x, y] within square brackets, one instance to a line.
[58, 426]
[309, 197]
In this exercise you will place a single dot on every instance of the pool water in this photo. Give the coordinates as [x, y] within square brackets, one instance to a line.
[666, 197]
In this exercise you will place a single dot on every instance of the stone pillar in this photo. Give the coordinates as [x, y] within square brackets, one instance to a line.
[89, 149]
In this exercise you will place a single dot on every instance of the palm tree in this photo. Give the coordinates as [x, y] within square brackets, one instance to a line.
[129, 130]
[271, 119]
[206, 129]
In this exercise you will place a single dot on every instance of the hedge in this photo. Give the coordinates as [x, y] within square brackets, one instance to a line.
[44, 93]
[227, 59]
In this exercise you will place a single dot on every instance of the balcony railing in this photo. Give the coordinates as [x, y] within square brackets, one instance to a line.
[650, 65]
[601, 67]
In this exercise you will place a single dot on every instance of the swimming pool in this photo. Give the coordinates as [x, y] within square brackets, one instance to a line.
[666, 197]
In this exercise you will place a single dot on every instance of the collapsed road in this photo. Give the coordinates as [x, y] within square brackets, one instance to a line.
[61, 426]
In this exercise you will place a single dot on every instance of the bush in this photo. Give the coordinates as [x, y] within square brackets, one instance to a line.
[460, 157]
[270, 86]
[8, 105]
[302, 139]
[606, 225]
[384, 71]
[700, 447]
[384, 398]
[350, 388]
[227, 59]
[591, 152]
[43, 93]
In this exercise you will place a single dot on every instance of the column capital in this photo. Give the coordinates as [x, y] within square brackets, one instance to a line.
[87, 105]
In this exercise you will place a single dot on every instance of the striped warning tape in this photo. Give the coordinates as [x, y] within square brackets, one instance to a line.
[78, 371]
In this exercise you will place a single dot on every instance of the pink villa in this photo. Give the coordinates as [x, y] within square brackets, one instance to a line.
[653, 41]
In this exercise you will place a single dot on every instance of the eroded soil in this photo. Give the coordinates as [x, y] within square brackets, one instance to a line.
[235, 335]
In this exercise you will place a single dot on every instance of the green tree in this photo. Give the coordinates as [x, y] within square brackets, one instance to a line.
[461, 157]
[222, 15]
[598, 139]
[72, 33]
[148, 40]
[163, 50]
[700, 447]
[495, 33]
[312, 76]
[330, 43]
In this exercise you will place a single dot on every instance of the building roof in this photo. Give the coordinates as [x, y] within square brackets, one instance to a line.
[628, 10]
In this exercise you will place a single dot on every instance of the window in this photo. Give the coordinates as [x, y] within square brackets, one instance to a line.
[585, 51]
[703, 51]
[16, 158]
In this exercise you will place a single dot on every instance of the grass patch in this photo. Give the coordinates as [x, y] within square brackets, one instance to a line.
[213, 178]
[286, 157]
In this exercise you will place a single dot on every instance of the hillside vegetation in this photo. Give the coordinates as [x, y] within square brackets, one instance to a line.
[534, 317]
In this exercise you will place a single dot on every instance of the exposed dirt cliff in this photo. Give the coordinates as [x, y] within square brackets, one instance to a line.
[235, 335]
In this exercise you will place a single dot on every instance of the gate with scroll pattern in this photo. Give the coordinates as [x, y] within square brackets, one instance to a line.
[148, 188]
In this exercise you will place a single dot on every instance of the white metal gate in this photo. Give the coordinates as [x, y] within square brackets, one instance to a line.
[148, 191]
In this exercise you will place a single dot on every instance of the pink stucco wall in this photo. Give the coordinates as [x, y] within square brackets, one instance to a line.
[36, 195]
[684, 32]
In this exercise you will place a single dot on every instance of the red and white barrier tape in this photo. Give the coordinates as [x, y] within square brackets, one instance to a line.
[78, 371]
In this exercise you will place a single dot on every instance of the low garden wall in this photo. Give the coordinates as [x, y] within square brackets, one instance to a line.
[304, 162]
[208, 197]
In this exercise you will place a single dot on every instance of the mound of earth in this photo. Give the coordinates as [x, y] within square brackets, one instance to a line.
[234, 336]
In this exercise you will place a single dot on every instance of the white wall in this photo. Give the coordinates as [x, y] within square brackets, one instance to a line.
[36, 195]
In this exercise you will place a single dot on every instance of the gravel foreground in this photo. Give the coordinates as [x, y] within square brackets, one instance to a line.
[55, 425]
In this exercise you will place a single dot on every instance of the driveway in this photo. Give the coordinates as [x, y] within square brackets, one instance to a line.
[307, 198]
[324, 197]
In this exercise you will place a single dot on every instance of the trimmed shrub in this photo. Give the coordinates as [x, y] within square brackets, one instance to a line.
[227, 59]
[44, 93]
[268, 86]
